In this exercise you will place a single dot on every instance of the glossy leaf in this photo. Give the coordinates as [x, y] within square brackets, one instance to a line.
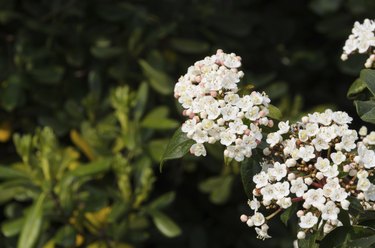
[357, 87]
[177, 147]
[368, 77]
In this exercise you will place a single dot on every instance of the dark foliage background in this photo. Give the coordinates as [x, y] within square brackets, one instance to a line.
[60, 61]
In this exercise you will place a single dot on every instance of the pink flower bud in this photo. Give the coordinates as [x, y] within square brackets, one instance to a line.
[270, 123]
[243, 218]
[213, 93]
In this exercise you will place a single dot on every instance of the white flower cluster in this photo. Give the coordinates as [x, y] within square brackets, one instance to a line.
[362, 40]
[209, 94]
[317, 164]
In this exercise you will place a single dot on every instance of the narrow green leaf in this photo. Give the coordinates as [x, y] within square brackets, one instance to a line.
[165, 224]
[274, 113]
[368, 76]
[92, 168]
[163, 200]
[177, 147]
[12, 227]
[158, 80]
[141, 101]
[7, 172]
[33, 223]
[357, 87]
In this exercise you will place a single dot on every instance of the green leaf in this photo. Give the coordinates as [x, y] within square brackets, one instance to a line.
[157, 148]
[141, 101]
[336, 238]
[177, 147]
[189, 45]
[33, 223]
[158, 80]
[92, 168]
[357, 87]
[249, 167]
[7, 172]
[274, 113]
[362, 242]
[285, 216]
[48, 74]
[368, 76]
[157, 119]
[11, 93]
[12, 227]
[162, 201]
[366, 110]
[218, 187]
[165, 224]
[309, 241]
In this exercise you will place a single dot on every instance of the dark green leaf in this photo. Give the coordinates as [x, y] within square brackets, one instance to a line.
[289, 212]
[177, 147]
[249, 167]
[368, 77]
[158, 80]
[357, 87]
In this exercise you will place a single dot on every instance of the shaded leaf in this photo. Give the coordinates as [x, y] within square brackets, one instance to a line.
[165, 224]
[177, 147]
[274, 113]
[158, 80]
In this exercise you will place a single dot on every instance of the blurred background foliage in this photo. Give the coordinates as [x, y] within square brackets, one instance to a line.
[86, 92]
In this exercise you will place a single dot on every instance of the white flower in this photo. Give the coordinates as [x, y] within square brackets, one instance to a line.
[198, 150]
[308, 220]
[306, 153]
[363, 184]
[261, 179]
[283, 127]
[254, 204]
[320, 144]
[273, 139]
[284, 202]
[298, 187]
[322, 164]
[268, 192]
[314, 197]
[330, 211]
[370, 193]
[258, 219]
[312, 129]
[331, 172]
[337, 157]
[278, 171]
[227, 138]
[262, 232]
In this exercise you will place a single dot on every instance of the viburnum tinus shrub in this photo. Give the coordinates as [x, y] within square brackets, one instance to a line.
[317, 169]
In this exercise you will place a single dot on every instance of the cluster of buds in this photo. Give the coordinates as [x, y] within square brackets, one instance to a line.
[362, 40]
[208, 92]
[317, 164]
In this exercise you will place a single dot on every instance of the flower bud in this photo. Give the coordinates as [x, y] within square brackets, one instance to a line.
[244, 218]
[301, 235]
